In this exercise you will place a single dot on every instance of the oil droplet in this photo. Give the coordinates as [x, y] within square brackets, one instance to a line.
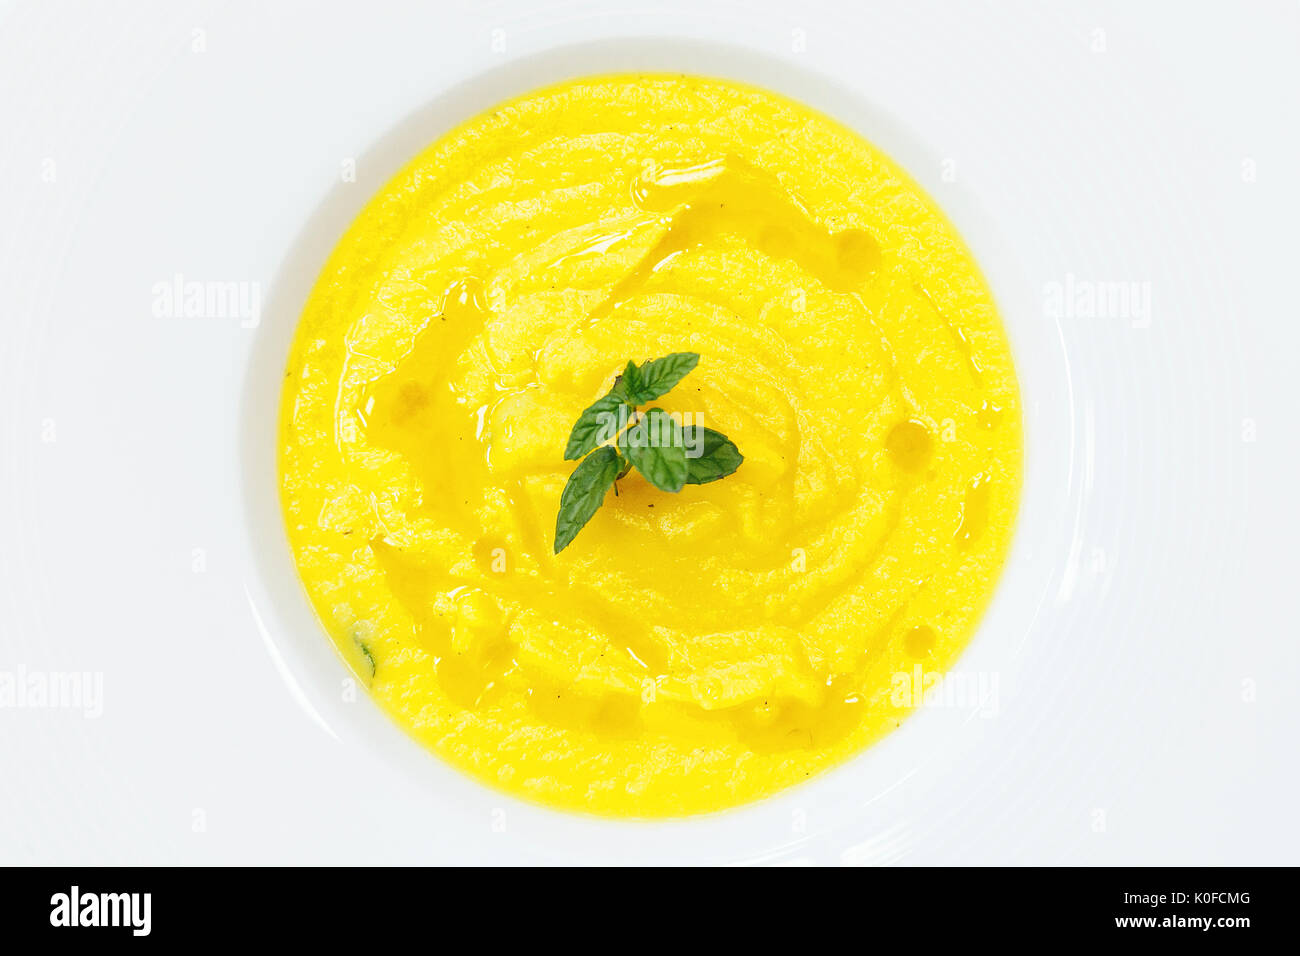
[857, 252]
[618, 715]
[658, 187]
[411, 399]
[491, 555]
[785, 725]
[989, 416]
[596, 246]
[730, 196]
[919, 641]
[464, 299]
[974, 512]
[414, 410]
[613, 715]
[909, 445]
[462, 680]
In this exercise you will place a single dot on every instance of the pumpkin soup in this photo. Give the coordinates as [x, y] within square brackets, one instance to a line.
[692, 650]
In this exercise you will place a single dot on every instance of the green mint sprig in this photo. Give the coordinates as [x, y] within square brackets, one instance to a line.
[614, 438]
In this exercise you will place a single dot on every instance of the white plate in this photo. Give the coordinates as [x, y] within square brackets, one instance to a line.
[1139, 651]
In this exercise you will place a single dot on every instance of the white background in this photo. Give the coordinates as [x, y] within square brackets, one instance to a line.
[1146, 711]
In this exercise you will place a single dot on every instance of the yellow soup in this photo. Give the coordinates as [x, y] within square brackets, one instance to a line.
[692, 651]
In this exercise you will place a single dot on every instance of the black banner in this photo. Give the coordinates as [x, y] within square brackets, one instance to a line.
[929, 905]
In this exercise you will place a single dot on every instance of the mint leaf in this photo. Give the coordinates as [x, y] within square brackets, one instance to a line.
[585, 492]
[655, 444]
[654, 447]
[596, 425]
[718, 457]
[658, 376]
[628, 384]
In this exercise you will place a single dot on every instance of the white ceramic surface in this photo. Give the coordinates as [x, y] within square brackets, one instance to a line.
[1137, 656]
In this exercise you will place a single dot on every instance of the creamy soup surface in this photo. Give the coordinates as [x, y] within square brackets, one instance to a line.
[692, 651]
